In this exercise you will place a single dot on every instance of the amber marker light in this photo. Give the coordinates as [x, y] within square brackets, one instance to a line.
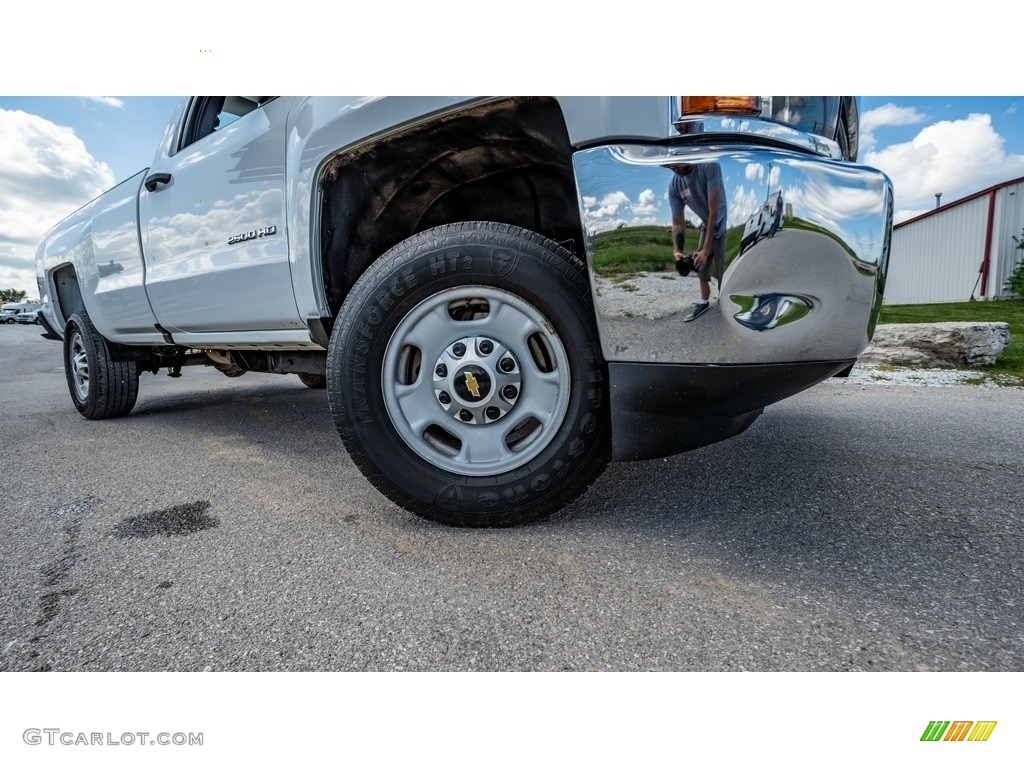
[702, 105]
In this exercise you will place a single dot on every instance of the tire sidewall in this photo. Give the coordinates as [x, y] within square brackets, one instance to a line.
[76, 325]
[113, 386]
[493, 256]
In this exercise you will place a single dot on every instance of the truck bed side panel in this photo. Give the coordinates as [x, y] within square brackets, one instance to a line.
[101, 242]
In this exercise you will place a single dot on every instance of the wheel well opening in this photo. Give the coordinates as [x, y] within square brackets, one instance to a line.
[508, 161]
[69, 293]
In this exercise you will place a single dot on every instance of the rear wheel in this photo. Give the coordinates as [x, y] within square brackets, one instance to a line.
[465, 376]
[100, 387]
[313, 380]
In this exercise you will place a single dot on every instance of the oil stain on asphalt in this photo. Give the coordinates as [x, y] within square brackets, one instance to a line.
[180, 520]
[58, 572]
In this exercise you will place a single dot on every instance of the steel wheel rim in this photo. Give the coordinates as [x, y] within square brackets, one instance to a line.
[528, 421]
[79, 363]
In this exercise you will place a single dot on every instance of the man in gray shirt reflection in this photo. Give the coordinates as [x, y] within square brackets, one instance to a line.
[700, 187]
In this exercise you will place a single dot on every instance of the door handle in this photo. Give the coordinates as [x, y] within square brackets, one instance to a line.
[155, 179]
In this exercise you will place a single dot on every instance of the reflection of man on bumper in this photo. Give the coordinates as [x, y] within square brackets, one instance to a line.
[700, 187]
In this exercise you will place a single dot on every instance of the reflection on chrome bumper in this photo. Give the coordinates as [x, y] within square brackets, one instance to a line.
[806, 250]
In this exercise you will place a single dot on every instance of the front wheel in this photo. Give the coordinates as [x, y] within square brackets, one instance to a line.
[465, 376]
[100, 388]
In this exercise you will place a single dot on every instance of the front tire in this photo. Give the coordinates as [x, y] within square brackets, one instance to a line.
[100, 388]
[465, 376]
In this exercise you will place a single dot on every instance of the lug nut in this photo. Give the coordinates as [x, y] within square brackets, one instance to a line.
[509, 392]
[441, 371]
[459, 349]
[486, 347]
[507, 365]
[444, 398]
[493, 413]
[465, 415]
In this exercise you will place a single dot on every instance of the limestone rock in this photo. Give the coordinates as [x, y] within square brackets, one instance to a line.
[937, 345]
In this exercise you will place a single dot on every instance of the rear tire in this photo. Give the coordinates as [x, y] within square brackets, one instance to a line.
[313, 380]
[465, 376]
[100, 387]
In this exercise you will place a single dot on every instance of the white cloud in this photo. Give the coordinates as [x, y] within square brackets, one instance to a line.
[46, 172]
[743, 202]
[611, 210]
[110, 101]
[755, 172]
[603, 212]
[907, 213]
[615, 198]
[646, 204]
[887, 114]
[608, 207]
[954, 157]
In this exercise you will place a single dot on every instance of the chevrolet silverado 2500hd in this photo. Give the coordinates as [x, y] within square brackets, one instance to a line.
[484, 285]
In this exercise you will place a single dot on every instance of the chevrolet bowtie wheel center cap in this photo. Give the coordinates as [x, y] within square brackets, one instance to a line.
[477, 380]
[472, 384]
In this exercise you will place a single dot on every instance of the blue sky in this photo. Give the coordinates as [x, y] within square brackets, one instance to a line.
[120, 131]
[56, 153]
[125, 137]
[1007, 114]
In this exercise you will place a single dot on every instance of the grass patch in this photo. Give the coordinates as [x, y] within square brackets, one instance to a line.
[1010, 363]
[631, 250]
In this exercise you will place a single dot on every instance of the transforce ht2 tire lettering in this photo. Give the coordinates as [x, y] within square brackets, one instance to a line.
[465, 376]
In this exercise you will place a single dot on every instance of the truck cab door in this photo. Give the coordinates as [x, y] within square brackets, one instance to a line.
[212, 220]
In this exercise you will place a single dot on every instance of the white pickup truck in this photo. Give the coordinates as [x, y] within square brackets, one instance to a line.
[438, 264]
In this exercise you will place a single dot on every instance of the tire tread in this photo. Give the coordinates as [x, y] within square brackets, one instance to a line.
[113, 385]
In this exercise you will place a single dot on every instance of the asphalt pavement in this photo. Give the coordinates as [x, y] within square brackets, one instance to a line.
[222, 526]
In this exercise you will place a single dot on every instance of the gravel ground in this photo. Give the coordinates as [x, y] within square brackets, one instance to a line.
[925, 377]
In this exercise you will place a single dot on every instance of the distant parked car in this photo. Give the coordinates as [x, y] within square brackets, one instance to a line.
[10, 310]
[27, 317]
